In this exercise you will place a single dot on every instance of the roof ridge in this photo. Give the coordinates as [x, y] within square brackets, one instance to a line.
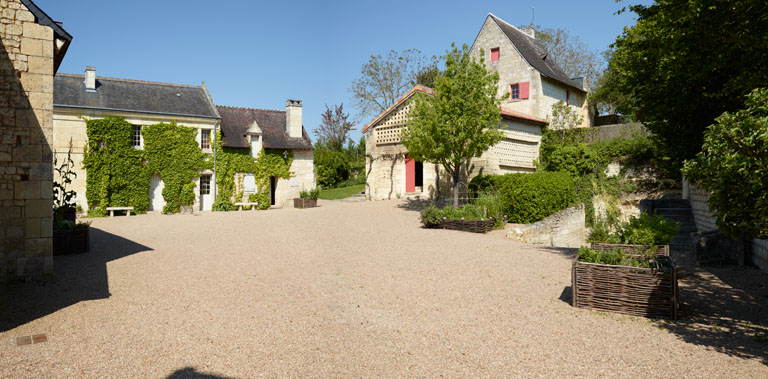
[516, 28]
[133, 81]
[250, 109]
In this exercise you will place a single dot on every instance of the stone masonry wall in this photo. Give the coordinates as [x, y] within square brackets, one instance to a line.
[26, 133]
[705, 221]
[562, 229]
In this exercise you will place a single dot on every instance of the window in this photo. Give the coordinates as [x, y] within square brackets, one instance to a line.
[136, 136]
[249, 183]
[205, 185]
[495, 54]
[205, 139]
[255, 146]
[514, 92]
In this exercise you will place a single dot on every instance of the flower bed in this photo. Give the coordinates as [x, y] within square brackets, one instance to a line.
[304, 203]
[73, 241]
[638, 291]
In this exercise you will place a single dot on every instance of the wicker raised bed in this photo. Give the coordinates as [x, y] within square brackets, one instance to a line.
[70, 241]
[304, 203]
[637, 291]
[474, 226]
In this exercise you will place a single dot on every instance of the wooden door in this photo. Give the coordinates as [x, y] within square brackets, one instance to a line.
[410, 175]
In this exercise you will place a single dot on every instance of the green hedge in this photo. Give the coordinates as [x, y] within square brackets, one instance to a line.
[528, 198]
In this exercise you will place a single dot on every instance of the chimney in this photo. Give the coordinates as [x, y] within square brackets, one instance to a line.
[90, 78]
[529, 30]
[293, 118]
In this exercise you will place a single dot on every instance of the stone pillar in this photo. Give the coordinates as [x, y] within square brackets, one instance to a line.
[26, 134]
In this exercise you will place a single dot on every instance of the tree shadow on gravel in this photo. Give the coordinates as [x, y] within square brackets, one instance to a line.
[76, 278]
[192, 373]
[414, 205]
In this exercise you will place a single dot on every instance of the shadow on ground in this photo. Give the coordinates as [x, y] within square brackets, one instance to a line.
[192, 373]
[76, 278]
[722, 308]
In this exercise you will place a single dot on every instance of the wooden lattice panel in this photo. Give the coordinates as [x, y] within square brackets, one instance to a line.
[516, 153]
[390, 129]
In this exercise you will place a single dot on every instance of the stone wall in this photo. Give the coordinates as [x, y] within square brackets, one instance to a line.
[566, 228]
[705, 221]
[304, 178]
[26, 132]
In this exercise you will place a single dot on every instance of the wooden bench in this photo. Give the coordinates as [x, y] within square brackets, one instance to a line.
[241, 205]
[113, 209]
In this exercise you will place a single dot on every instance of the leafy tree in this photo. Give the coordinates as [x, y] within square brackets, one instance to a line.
[334, 128]
[686, 62]
[426, 75]
[733, 167]
[384, 79]
[460, 121]
[570, 53]
[332, 167]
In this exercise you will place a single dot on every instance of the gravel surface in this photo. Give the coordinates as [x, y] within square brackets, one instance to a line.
[350, 290]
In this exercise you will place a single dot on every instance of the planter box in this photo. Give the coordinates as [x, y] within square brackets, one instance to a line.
[636, 291]
[474, 226]
[70, 241]
[304, 203]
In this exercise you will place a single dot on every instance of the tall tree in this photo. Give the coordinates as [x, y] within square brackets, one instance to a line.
[688, 61]
[334, 128]
[571, 54]
[384, 79]
[460, 121]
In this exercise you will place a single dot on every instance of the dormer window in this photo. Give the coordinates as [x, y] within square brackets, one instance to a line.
[495, 54]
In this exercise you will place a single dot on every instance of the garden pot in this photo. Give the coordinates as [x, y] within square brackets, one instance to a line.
[70, 241]
[304, 203]
[65, 214]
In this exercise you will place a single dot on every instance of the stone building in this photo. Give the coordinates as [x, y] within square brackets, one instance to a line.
[533, 80]
[254, 129]
[80, 97]
[391, 173]
[33, 46]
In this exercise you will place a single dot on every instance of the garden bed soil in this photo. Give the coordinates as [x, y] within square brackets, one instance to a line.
[304, 203]
[637, 291]
[70, 241]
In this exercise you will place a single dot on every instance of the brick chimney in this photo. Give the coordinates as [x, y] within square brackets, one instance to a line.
[90, 78]
[293, 120]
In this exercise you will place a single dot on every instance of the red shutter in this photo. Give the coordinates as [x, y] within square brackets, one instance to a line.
[524, 89]
[494, 54]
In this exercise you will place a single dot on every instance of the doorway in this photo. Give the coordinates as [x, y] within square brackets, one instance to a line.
[156, 201]
[206, 199]
[272, 189]
[414, 175]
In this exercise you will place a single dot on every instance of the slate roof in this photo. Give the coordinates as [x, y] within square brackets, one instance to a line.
[133, 96]
[535, 54]
[236, 121]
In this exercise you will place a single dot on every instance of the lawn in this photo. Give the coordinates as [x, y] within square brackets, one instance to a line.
[340, 193]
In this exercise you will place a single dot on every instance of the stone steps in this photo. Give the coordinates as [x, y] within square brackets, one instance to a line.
[676, 210]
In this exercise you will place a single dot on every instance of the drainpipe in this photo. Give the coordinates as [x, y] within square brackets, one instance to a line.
[215, 177]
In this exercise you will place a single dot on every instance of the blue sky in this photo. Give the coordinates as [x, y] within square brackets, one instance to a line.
[258, 54]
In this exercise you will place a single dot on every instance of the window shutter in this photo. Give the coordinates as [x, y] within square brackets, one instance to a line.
[524, 89]
[494, 54]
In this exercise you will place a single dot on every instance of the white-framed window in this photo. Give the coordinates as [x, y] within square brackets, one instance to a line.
[249, 183]
[255, 146]
[136, 136]
[205, 184]
[205, 139]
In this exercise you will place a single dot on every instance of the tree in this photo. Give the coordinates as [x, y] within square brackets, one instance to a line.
[384, 79]
[334, 128]
[426, 75]
[571, 54]
[733, 167]
[688, 61]
[460, 121]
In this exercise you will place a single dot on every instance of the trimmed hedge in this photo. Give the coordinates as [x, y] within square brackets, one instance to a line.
[528, 198]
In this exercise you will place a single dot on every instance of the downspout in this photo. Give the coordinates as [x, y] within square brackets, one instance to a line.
[215, 177]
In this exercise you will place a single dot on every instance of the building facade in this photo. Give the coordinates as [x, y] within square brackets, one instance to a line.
[33, 46]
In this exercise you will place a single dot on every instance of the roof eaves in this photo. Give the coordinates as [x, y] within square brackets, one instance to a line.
[417, 88]
[134, 111]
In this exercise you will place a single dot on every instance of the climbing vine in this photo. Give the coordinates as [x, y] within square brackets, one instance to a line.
[231, 161]
[115, 171]
[173, 153]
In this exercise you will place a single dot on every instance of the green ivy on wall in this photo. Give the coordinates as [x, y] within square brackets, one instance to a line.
[231, 161]
[116, 173]
[173, 153]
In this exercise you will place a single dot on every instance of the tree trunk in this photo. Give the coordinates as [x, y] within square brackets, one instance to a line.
[456, 188]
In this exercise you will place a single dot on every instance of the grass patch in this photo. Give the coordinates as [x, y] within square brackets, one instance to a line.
[341, 193]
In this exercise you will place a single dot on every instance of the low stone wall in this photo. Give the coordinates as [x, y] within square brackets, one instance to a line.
[562, 229]
[705, 221]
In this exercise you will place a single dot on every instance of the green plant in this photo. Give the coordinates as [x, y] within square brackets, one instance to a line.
[62, 197]
[617, 257]
[648, 230]
[332, 168]
[492, 205]
[431, 216]
[69, 225]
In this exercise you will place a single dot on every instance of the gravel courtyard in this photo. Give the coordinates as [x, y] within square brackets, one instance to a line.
[351, 290]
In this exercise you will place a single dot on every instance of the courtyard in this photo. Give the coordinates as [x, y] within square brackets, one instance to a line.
[354, 289]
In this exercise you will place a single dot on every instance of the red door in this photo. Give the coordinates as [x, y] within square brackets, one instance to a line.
[410, 175]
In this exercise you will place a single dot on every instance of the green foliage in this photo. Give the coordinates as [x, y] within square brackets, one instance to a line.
[69, 225]
[618, 258]
[231, 161]
[644, 230]
[493, 205]
[333, 131]
[341, 192]
[332, 167]
[173, 153]
[312, 194]
[433, 216]
[528, 198]
[577, 160]
[685, 63]
[62, 197]
[460, 121]
[733, 167]
[116, 173]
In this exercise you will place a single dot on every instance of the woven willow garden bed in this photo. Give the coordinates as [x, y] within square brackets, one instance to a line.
[637, 291]
[474, 226]
[304, 203]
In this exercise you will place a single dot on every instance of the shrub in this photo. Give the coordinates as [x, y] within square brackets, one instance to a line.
[577, 160]
[332, 168]
[432, 216]
[644, 230]
[617, 257]
[492, 204]
[313, 194]
[528, 198]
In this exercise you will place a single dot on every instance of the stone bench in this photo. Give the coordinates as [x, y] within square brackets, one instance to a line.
[241, 205]
[113, 209]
